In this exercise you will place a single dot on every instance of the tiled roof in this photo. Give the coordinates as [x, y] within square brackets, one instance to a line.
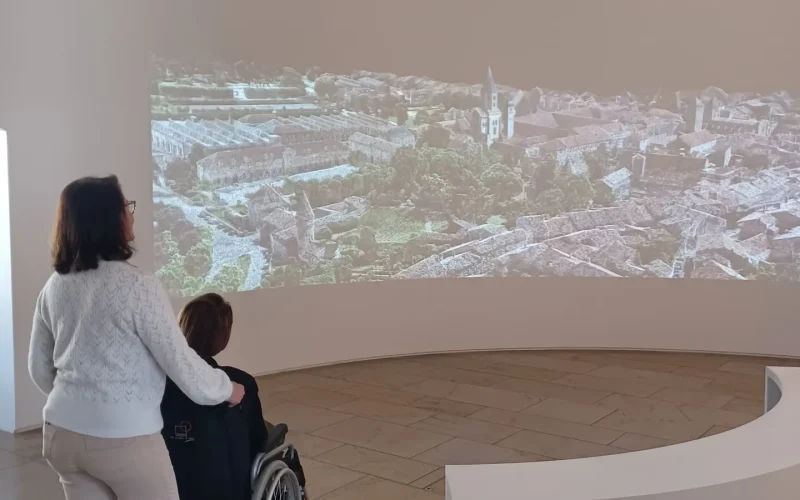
[694, 139]
[539, 119]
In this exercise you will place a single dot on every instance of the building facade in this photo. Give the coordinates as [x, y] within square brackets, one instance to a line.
[272, 162]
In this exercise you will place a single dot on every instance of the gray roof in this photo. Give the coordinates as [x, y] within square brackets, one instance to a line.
[325, 173]
[374, 142]
[789, 235]
[437, 267]
[617, 178]
[696, 139]
[267, 199]
[712, 269]
[540, 119]
[755, 249]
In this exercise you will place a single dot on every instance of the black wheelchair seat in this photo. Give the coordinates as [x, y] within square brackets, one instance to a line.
[275, 437]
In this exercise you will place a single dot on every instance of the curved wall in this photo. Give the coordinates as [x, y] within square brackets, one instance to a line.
[282, 329]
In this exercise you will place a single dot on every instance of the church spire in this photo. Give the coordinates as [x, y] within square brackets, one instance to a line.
[489, 87]
[491, 113]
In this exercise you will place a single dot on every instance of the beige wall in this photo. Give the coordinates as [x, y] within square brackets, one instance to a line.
[306, 326]
[73, 100]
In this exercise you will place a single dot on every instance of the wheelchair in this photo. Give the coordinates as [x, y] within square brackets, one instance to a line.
[274, 472]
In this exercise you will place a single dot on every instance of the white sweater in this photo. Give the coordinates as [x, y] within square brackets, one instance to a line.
[102, 345]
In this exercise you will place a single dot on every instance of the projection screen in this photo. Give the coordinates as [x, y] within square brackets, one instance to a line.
[268, 176]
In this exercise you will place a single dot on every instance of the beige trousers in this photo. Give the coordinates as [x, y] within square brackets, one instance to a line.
[93, 468]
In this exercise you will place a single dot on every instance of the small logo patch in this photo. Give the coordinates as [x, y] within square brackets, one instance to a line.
[181, 432]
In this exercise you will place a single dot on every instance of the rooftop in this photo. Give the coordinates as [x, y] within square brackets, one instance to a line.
[695, 139]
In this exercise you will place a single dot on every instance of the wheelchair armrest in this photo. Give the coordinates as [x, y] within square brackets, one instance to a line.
[275, 437]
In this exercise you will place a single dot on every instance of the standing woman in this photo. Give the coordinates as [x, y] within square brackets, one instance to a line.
[104, 340]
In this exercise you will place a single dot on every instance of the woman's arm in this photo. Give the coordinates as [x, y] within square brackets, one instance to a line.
[40, 354]
[252, 407]
[156, 325]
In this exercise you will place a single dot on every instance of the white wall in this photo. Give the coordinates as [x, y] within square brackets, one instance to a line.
[306, 326]
[74, 100]
[7, 403]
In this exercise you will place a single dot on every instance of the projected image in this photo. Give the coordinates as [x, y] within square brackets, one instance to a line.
[272, 177]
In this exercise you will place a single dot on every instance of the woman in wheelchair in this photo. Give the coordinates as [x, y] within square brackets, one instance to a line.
[219, 452]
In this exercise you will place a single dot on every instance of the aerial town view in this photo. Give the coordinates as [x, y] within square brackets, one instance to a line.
[270, 177]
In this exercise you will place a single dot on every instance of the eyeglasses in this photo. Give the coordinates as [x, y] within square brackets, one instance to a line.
[131, 206]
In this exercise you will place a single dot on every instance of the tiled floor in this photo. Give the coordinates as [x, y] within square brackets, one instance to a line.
[384, 430]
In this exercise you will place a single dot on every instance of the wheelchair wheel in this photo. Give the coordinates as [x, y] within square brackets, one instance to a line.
[277, 482]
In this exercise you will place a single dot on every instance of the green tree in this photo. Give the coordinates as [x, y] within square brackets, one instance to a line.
[546, 174]
[335, 189]
[401, 111]
[325, 87]
[292, 79]
[198, 259]
[173, 273]
[436, 192]
[375, 104]
[367, 242]
[313, 72]
[604, 197]
[379, 182]
[435, 136]
[502, 181]
[578, 192]
[197, 153]
[513, 208]
[357, 184]
[361, 103]
[343, 270]
[290, 274]
[597, 163]
[231, 277]
[408, 164]
[181, 173]
[320, 88]
[172, 259]
[550, 202]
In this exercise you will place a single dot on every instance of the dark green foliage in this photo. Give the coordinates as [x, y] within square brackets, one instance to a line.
[435, 136]
[290, 274]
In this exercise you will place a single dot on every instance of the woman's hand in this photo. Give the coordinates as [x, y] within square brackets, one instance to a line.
[237, 394]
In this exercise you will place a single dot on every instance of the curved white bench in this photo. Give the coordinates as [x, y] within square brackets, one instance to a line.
[757, 461]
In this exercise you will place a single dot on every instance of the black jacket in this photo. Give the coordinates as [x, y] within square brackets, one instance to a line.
[212, 447]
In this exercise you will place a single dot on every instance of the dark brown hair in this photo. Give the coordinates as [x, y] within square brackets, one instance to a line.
[90, 225]
[206, 321]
